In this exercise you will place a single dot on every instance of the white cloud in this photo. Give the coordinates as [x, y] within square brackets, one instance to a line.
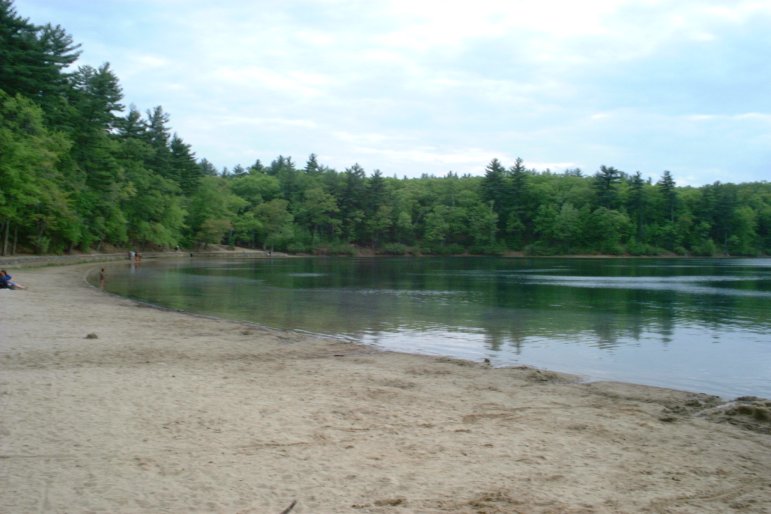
[298, 84]
[245, 122]
[425, 86]
[740, 117]
[148, 62]
[440, 160]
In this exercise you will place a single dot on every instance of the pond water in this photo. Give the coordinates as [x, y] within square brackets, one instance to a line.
[700, 325]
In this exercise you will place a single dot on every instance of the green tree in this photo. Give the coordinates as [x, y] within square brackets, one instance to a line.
[567, 229]
[212, 211]
[33, 196]
[377, 209]
[494, 191]
[437, 226]
[153, 205]
[635, 204]
[183, 166]
[666, 187]
[256, 188]
[206, 168]
[312, 167]
[608, 230]
[606, 185]
[403, 207]
[516, 225]
[351, 201]
[33, 59]
[481, 224]
[158, 136]
[543, 225]
[319, 212]
[276, 221]
[96, 96]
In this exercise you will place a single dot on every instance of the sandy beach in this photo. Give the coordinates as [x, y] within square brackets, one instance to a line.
[111, 406]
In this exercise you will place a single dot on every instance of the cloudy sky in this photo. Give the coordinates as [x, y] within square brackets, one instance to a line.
[431, 86]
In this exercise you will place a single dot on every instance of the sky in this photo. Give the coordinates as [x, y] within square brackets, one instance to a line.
[413, 87]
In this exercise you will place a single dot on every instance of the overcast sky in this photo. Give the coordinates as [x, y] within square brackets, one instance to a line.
[431, 86]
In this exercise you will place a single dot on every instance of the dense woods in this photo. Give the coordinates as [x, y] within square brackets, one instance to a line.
[80, 171]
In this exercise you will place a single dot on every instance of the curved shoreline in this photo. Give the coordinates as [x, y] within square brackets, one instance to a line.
[719, 372]
[109, 405]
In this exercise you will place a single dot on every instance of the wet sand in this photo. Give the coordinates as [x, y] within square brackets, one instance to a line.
[111, 406]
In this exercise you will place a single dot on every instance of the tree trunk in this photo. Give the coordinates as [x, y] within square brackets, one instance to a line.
[5, 237]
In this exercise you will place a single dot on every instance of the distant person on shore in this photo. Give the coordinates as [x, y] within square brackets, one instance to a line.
[102, 276]
[7, 283]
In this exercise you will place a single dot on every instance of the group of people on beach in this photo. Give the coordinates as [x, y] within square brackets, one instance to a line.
[6, 281]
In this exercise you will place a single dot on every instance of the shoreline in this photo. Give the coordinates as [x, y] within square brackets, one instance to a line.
[727, 388]
[32, 260]
[112, 405]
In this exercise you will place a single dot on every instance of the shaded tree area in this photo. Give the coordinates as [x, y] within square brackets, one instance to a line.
[76, 170]
[81, 171]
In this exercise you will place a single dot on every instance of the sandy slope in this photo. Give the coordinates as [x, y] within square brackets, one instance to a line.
[166, 412]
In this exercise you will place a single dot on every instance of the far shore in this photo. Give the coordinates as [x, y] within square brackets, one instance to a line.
[223, 250]
[111, 406]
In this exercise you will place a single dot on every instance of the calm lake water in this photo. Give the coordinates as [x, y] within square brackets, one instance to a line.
[700, 325]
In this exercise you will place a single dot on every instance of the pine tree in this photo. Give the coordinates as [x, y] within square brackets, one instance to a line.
[667, 188]
[635, 203]
[32, 58]
[606, 183]
[158, 137]
[494, 186]
[184, 170]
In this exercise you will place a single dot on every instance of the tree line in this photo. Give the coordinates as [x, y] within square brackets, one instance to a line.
[80, 171]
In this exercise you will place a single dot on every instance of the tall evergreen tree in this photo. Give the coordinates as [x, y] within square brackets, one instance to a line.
[517, 222]
[606, 182]
[96, 95]
[207, 169]
[312, 167]
[257, 167]
[32, 58]
[666, 187]
[184, 169]
[352, 202]
[494, 186]
[159, 136]
[635, 203]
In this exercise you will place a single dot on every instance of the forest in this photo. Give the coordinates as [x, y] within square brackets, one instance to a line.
[81, 172]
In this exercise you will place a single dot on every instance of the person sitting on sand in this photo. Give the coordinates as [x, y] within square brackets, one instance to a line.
[6, 282]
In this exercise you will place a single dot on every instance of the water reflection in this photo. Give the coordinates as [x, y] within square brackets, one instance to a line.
[673, 323]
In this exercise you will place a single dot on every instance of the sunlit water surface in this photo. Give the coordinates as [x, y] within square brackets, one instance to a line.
[699, 325]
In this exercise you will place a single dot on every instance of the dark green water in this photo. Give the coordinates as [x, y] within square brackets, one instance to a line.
[699, 325]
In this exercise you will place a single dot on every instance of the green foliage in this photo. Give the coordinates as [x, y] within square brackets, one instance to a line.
[637, 249]
[540, 249]
[34, 197]
[335, 248]
[394, 249]
[606, 184]
[76, 171]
